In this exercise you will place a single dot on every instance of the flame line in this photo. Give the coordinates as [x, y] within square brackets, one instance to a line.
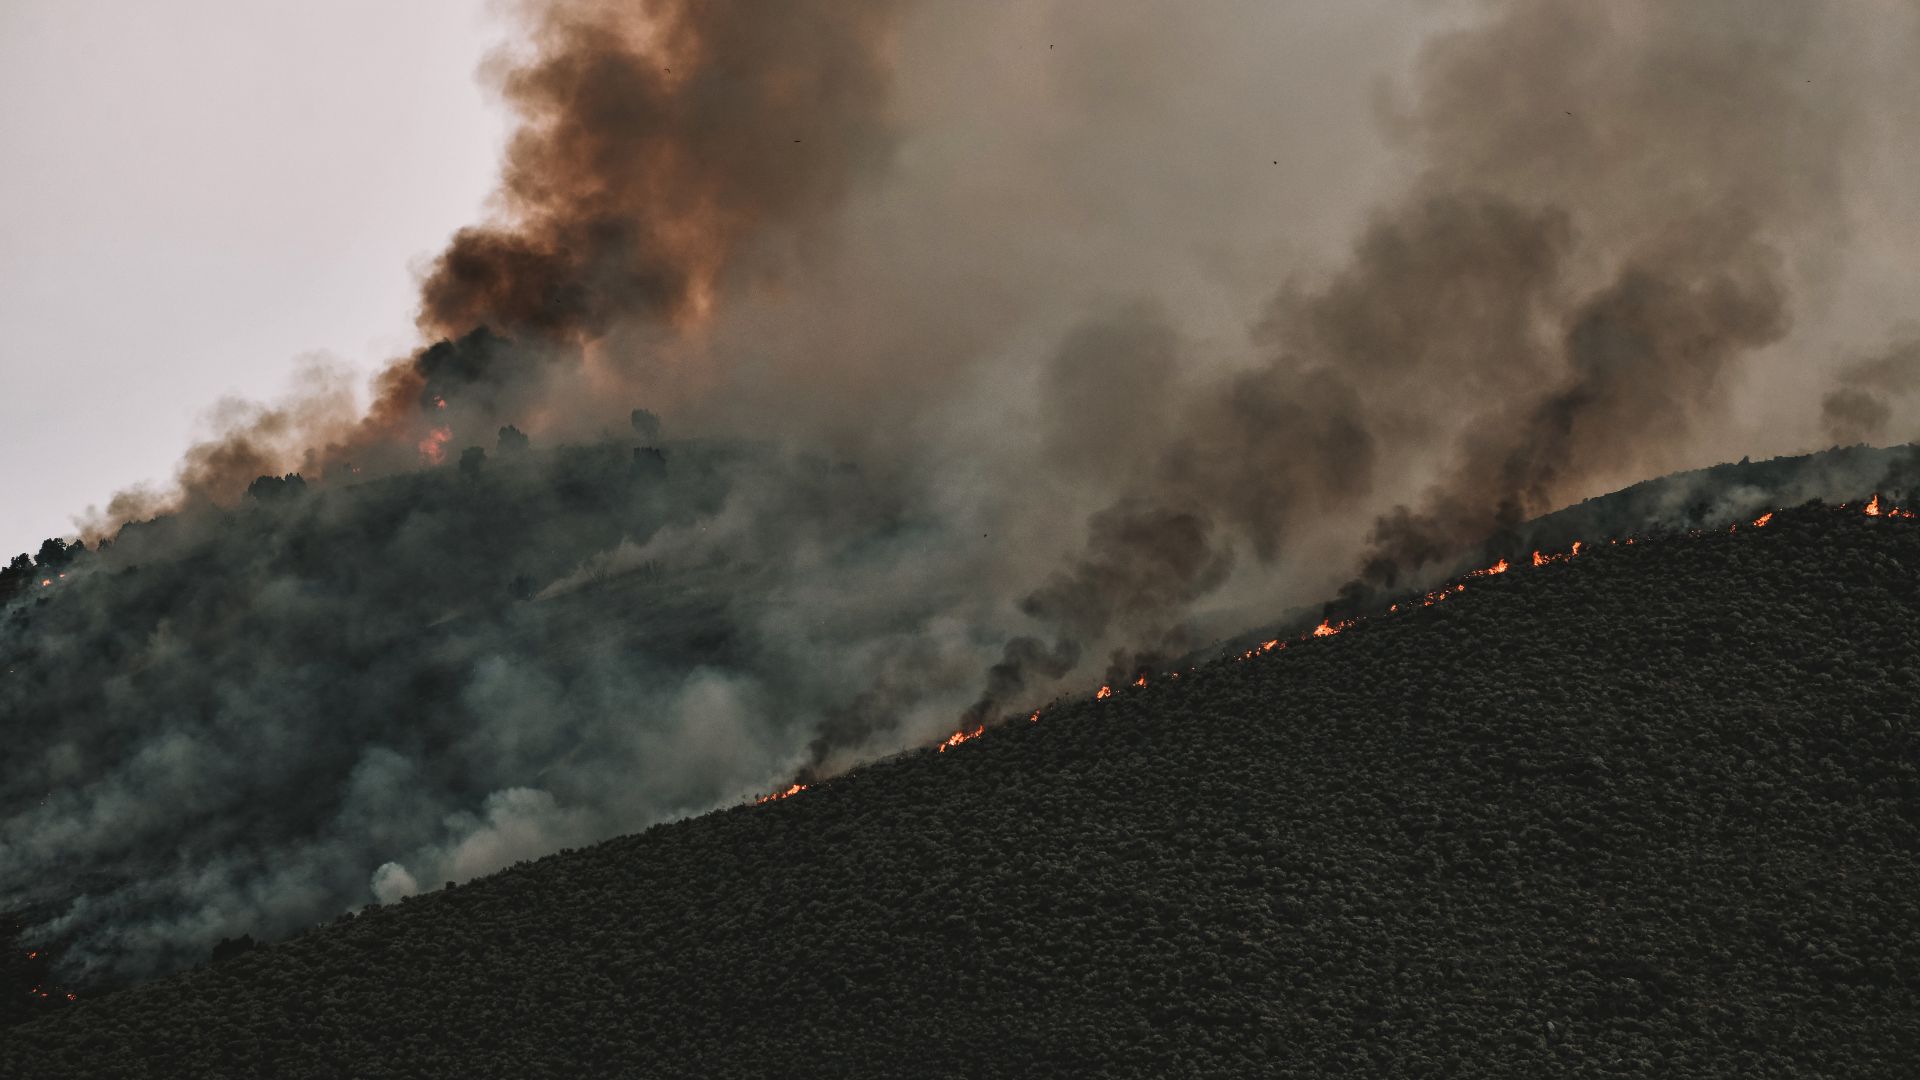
[1330, 627]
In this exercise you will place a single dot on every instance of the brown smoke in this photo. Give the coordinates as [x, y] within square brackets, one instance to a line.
[657, 141]
[665, 148]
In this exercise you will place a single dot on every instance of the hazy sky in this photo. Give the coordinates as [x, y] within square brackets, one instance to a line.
[196, 194]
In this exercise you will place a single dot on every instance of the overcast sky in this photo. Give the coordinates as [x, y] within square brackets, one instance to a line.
[196, 194]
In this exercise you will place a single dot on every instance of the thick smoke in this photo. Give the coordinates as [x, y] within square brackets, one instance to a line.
[1593, 248]
[1876, 397]
[999, 349]
[654, 148]
[667, 150]
[1673, 212]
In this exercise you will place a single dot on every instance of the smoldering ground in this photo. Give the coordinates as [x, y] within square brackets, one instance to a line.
[1070, 337]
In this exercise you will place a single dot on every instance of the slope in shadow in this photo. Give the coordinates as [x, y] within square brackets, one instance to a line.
[1650, 812]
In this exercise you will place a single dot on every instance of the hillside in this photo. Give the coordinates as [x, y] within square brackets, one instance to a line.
[1650, 811]
[223, 721]
[247, 720]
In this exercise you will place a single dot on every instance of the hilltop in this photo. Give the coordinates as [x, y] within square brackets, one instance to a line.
[1647, 811]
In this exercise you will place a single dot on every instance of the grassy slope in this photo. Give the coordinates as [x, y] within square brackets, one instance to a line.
[1653, 812]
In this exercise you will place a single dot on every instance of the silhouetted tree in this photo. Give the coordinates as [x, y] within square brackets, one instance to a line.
[647, 424]
[274, 488]
[649, 462]
[56, 554]
[15, 577]
[228, 948]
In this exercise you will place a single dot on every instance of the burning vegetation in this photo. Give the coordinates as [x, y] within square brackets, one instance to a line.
[1327, 628]
[1647, 812]
[527, 652]
[27, 985]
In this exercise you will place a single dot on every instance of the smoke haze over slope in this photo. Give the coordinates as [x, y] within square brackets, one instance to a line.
[1120, 331]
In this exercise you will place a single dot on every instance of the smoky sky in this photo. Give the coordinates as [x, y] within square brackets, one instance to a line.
[1000, 349]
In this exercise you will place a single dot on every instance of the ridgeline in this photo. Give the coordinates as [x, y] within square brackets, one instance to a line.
[1651, 811]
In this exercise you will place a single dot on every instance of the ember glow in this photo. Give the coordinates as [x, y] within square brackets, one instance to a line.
[1440, 594]
[1540, 559]
[1331, 627]
[959, 737]
[433, 448]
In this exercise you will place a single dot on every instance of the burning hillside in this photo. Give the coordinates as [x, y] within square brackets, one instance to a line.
[1873, 507]
[801, 399]
[1645, 809]
[335, 721]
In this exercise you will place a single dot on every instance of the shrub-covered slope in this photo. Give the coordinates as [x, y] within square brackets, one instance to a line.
[222, 723]
[1654, 811]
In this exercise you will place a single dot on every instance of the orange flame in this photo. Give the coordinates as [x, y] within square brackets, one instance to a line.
[1438, 595]
[778, 795]
[1330, 627]
[1540, 559]
[959, 737]
[433, 448]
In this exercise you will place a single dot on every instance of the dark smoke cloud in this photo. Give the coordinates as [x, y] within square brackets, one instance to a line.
[1643, 362]
[1871, 392]
[1609, 205]
[1671, 211]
